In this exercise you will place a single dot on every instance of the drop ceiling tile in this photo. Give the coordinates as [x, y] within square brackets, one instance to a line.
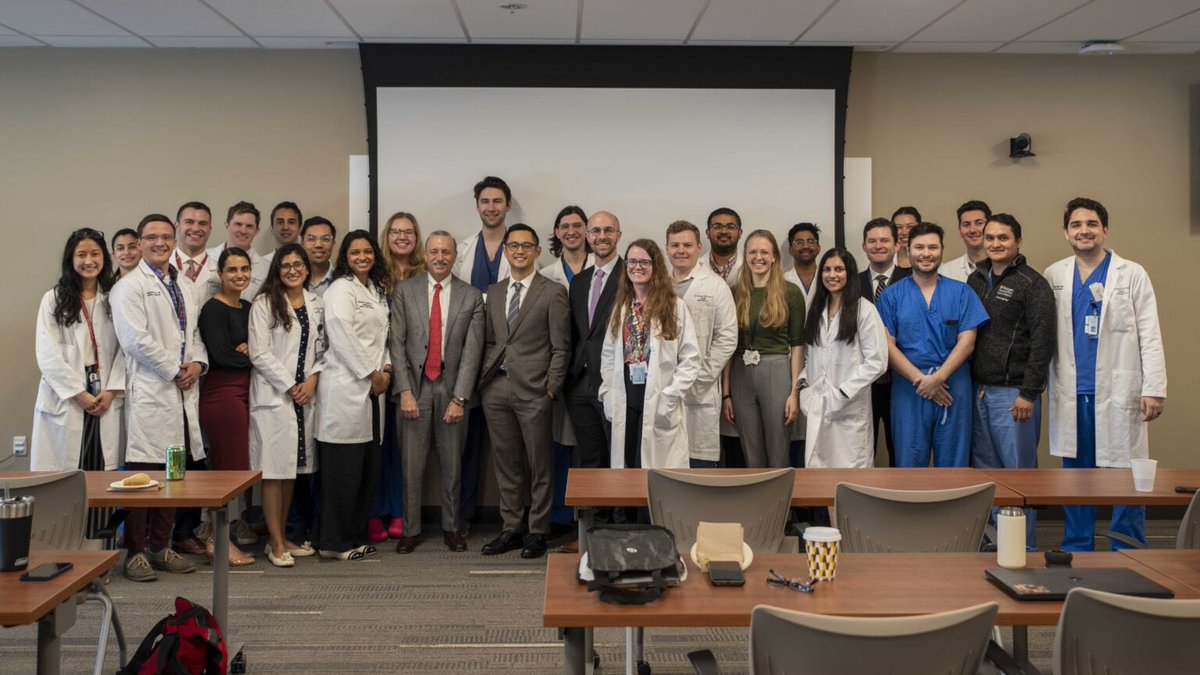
[18, 41]
[5, 31]
[54, 17]
[1184, 29]
[93, 41]
[193, 42]
[876, 20]
[332, 42]
[401, 18]
[948, 47]
[995, 20]
[664, 20]
[741, 43]
[1024, 47]
[773, 20]
[283, 18]
[541, 19]
[1140, 47]
[163, 17]
[1113, 19]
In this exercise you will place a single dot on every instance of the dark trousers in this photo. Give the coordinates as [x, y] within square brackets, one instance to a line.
[881, 413]
[301, 520]
[349, 477]
[472, 456]
[731, 453]
[593, 433]
[158, 522]
[560, 513]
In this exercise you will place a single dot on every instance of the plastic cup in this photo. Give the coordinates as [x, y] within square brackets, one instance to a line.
[821, 545]
[1143, 474]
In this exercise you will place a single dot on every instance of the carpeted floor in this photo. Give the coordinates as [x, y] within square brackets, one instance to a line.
[428, 612]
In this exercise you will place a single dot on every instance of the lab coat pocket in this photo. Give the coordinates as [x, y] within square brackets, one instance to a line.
[1120, 314]
[49, 403]
[263, 395]
[1126, 389]
[667, 414]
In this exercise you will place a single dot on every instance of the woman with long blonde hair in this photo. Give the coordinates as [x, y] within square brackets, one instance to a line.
[649, 361]
[759, 382]
[402, 248]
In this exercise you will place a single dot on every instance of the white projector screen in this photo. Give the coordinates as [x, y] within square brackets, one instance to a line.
[651, 156]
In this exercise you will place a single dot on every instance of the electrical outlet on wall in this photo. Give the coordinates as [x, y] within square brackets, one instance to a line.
[18, 447]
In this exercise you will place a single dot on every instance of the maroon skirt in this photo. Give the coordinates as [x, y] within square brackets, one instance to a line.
[225, 418]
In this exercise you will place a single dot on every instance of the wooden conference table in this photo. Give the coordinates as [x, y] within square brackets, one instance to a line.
[210, 490]
[867, 584]
[1094, 487]
[51, 604]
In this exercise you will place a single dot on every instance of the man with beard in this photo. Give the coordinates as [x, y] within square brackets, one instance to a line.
[724, 231]
[804, 243]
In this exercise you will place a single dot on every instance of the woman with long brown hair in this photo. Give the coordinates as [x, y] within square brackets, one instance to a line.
[759, 382]
[402, 248]
[649, 361]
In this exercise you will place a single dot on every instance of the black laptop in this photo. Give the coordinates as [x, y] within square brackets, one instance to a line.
[1053, 583]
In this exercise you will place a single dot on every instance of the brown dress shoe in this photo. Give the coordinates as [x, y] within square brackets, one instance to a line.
[455, 541]
[190, 546]
[407, 544]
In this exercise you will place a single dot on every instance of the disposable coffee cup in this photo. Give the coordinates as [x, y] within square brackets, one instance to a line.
[821, 545]
[1143, 474]
[16, 526]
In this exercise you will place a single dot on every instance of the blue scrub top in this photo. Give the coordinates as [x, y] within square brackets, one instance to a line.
[1083, 304]
[485, 272]
[927, 334]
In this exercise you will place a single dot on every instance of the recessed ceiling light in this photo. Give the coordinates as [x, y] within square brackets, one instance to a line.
[1101, 48]
[512, 7]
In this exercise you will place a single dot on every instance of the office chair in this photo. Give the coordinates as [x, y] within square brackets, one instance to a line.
[879, 520]
[798, 643]
[59, 522]
[1187, 538]
[1108, 633]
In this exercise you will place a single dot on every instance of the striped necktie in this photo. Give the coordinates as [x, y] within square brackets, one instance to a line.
[880, 282]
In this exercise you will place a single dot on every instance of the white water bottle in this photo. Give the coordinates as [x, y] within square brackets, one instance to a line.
[1010, 537]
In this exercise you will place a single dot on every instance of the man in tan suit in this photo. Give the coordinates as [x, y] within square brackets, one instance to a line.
[526, 346]
[437, 346]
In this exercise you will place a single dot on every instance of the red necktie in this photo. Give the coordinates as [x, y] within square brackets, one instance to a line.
[433, 356]
[193, 269]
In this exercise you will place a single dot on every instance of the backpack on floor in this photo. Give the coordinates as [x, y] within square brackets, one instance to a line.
[188, 642]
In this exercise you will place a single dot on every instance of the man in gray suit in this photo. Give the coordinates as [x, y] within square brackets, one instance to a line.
[527, 343]
[437, 344]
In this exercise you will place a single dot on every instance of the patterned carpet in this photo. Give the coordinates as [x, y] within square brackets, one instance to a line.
[428, 612]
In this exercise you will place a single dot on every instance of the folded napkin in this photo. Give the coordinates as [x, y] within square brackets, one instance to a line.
[718, 541]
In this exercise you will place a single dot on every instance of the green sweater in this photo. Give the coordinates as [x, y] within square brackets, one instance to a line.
[775, 340]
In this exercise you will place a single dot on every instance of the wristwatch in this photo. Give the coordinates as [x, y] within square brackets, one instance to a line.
[459, 400]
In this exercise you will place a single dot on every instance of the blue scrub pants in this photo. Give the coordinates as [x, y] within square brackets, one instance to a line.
[1000, 443]
[389, 497]
[920, 426]
[1080, 525]
[560, 513]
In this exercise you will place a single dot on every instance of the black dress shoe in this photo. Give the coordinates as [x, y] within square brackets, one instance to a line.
[535, 546]
[507, 541]
[455, 541]
[407, 544]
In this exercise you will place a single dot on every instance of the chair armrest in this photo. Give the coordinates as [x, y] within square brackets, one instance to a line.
[789, 545]
[704, 662]
[1124, 539]
[109, 531]
[989, 539]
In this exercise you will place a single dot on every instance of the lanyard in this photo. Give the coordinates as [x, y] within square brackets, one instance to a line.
[87, 316]
[199, 264]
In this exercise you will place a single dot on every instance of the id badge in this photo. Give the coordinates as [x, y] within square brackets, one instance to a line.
[751, 357]
[93, 379]
[637, 373]
[1091, 325]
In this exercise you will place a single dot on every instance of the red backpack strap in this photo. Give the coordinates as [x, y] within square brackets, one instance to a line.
[144, 650]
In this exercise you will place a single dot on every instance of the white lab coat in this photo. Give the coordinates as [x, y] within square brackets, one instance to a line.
[958, 269]
[671, 371]
[714, 315]
[259, 267]
[148, 330]
[564, 433]
[58, 420]
[465, 261]
[733, 273]
[273, 352]
[792, 276]
[1129, 363]
[837, 400]
[357, 319]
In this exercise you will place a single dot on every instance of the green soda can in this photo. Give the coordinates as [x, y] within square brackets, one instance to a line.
[176, 462]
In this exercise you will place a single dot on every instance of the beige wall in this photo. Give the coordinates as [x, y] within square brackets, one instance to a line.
[102, 137]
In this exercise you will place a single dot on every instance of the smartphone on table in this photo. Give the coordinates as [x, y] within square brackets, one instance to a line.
[725, 573]
[46, 571]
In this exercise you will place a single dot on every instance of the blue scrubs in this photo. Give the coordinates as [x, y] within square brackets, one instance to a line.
[1080, 521]
[998, 442]
[484, 272]
[926, 334]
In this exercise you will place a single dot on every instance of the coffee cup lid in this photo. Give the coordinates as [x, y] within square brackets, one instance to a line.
[822, 534]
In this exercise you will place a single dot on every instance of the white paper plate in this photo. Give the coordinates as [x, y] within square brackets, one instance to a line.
[116, 485]
[747, 557]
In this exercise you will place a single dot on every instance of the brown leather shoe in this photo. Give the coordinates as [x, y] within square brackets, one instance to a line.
[407, 544]
[190, 546]
[455, 541]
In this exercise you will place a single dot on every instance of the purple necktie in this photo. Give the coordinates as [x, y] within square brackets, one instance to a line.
[597, 285]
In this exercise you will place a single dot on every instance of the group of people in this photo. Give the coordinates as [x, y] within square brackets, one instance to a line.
[339, 377]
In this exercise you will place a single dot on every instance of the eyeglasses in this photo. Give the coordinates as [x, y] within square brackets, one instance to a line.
[401, 233]
[292, 267]
[777, 580]
[324, 239]
[515, 246]
[608, 231]
[633, 263]
[805, 242]
[167, 238]
[724, 227]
